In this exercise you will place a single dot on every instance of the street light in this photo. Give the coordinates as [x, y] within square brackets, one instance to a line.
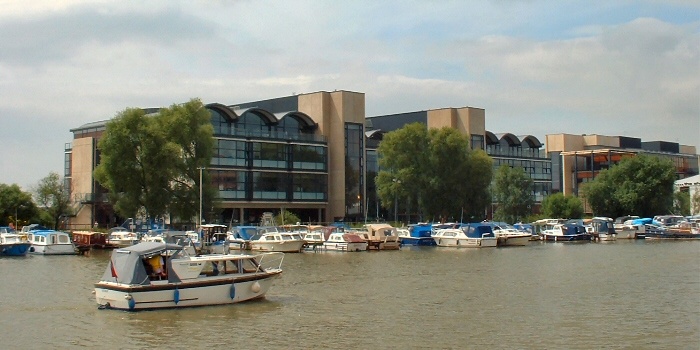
[396, 199]
[200, 196]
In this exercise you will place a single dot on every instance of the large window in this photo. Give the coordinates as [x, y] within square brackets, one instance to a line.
[290, 127]
[220, 123]
[231, 184]
[309, 186]
[269, 155]
[354, 180]
[309, 157]
[253, 124]
[270, 185]
[230, 152]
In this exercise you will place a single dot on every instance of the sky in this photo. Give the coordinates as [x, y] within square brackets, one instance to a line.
[617, 68]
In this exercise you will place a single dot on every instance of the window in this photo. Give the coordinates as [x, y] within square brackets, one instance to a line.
[269, 155]
[310, 186]
[230, 152]
[231, 184]
[270, 186]
[309, 157]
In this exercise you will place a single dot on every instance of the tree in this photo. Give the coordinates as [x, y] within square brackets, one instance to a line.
[53, 198]
[681, 203]
[513, 192]
[696, 202]
[558, 205]
[435, 170]
[16, 206]
[640, 185]
[153, 162]
[286, 217]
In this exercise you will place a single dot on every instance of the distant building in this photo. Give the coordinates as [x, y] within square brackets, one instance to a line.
[577, 159]
[303, 153]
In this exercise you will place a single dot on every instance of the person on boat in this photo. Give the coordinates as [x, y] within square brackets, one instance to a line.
[157, 264]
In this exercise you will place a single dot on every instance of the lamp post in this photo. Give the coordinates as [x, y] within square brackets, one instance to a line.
[200, 197]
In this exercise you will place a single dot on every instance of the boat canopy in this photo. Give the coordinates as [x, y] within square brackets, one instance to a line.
[127, 265]
[572, 229]
[244, 232]
[478, 230]
[420, 230]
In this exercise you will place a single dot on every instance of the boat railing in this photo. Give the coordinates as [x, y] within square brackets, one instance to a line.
[270, 260]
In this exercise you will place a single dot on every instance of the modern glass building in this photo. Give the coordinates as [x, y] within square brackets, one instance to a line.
[302, 153]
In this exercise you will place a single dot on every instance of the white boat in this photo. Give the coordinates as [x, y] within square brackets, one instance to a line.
[50, 242]
[468, 236]
[180, 238]
[214, 239]
[510, 236]
[345, 242]
[380, 236]
[12, 244]
[601, 229]
[272, 240]
[121, 237]
[213, 279]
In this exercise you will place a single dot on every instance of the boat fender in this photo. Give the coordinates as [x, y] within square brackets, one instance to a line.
[31, 249]
[132, 302]
[232, 292]
[176, 296]
[255, 287]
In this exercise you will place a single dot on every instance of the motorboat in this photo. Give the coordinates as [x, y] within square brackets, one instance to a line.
[379, 236]
[240, 236]
[601, 229]
[507, 235]
[50, 242]
[345, 242]
[11, 243]
[273, 240]
[475, 235]
[92, 239]
[121, 237]
[419, 234]
[153, 275]
[566, 233]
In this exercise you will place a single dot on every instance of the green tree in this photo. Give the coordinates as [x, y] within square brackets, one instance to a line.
[152, 163]
[286, 217]
[16, 206]
[681, 203]
[53, 199]
[558, 205]
[696, 202]
[640, 185]
[512, 190]
[435, 170]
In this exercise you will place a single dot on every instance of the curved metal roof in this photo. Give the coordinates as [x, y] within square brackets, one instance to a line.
[510, 138]
[491, 139]
[376, 134]
[530, 140]
[306, 121]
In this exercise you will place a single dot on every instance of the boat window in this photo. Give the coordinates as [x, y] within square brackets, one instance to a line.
[63, 239]
[42, 239]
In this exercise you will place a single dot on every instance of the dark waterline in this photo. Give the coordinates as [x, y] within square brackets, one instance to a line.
[621, 295]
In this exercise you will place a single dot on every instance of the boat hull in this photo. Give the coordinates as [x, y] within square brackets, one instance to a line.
[345, 246]
[276, 246]
[53, 249]
[15, 249]
[671, 235]
[466, 242]
[566, 238]
[217, 290]
[417, 241]
[513, 240]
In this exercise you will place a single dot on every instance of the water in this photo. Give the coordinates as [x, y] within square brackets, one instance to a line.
[617, 295]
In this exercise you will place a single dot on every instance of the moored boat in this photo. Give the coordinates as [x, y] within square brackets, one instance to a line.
[345, 242]
[379, 236]
[130, 281]
[419, 235]
[11, 243]
[474, 235]
[566, 233]
[507, 235]
[121, 237]
[92, 239]
[50, 242]
[272, 240]
[601, 229]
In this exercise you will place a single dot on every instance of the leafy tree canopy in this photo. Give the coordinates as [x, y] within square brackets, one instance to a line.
[513, 193]
[558, 205]
[53, 198]
[153, 163]
[16, 206]
[435, 170]
[640, 185]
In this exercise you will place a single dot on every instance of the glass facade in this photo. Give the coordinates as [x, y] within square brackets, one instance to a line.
[262, 167]
[354, 170]
[532, 160]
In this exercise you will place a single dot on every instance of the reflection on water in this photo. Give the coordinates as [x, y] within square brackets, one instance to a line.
[624, 294]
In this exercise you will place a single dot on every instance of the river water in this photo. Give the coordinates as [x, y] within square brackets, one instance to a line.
[629, 294]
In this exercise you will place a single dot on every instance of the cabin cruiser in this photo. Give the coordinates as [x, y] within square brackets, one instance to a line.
[153, 275]
[601, 229]
[273, 240]
[418, 234]
[11, 243]
[566, 233]
[121, 237]
[380, 236]
[467, 236]
[50, 242]
[345, 242]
